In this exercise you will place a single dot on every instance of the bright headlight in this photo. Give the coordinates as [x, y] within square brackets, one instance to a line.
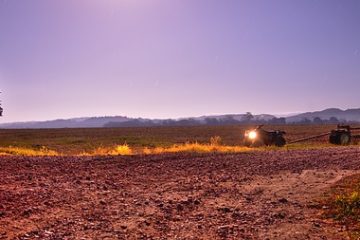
[252, 135]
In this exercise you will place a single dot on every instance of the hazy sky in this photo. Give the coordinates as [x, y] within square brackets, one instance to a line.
[173, 58]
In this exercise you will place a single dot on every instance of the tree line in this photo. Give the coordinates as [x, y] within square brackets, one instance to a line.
[248, 118]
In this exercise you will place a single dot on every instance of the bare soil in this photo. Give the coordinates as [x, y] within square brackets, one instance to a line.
[256, 195]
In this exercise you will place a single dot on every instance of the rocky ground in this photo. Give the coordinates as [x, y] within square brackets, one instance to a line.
[257, 195]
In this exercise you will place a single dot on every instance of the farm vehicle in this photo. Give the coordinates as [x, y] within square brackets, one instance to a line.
[258, 137]
[342, 135]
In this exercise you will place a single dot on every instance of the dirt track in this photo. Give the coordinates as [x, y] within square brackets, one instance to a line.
[260, 195]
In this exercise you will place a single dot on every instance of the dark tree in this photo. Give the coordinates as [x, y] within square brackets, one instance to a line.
[280, 121]
[333, 120]
[248, 117]
[211, 121]
[318, 120]
[305, 121]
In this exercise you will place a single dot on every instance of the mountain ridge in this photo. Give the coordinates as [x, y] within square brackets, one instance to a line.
[330, 114]
[348, 115]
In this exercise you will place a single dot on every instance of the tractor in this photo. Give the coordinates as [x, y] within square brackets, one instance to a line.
[260, 137]
[342, 135]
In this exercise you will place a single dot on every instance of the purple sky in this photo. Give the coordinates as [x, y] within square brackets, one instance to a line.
[177, 58]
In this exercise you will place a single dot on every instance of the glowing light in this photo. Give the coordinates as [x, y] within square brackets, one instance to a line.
[252, 135]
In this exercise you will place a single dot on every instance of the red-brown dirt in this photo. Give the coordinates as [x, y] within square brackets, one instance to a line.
[257, 195]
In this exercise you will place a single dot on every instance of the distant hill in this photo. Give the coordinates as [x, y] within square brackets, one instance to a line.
[349, 115]
[331, 115]
[120, 121]
[91, 122]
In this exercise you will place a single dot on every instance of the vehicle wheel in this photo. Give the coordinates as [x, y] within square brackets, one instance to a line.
[345, 139]
[280, 141]
[334, 138]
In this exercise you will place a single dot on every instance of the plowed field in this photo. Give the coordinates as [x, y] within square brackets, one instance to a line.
[254, 195]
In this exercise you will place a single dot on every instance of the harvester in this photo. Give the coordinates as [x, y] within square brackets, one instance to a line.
[259, 137]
